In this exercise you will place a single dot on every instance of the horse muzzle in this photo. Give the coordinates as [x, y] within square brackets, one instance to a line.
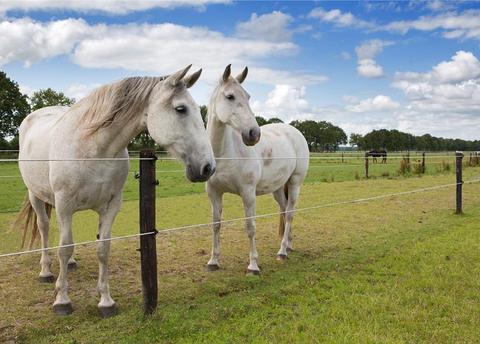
[200, 173]
[251, 136]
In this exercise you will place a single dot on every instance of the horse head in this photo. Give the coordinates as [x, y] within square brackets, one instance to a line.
[173, 120]
[232, 106]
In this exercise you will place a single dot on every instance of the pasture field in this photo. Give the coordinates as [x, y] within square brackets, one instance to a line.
[398, 270]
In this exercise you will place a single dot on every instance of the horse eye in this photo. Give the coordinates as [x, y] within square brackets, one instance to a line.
[181, 109]
[230, 96]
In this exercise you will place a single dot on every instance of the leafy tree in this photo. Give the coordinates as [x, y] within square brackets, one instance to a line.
[275, 120]
[13, 107]
[356, 140]
[49, 97]
[204, 113]
[321, 136]
[260, 120]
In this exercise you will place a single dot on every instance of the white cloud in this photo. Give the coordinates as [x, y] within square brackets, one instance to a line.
[366, 52]
[286, 102]
[439, 5]
[152, 48]
[28, 41]
[339, 18]
[78, 91]
[453, 84]
[270, 27]
[454, 25]
[378, 103]
[368, 68]
[108, 6]
[444, 100]
[463, 66]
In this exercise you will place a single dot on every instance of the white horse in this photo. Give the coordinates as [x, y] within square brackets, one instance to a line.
[276, 162]
[101, 126]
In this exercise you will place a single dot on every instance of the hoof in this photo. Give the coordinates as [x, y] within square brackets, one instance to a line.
[212, 267]
[282, 257]
[72, 266]
[63, 309]
[46, 279]
[107, 312]
[253, 272]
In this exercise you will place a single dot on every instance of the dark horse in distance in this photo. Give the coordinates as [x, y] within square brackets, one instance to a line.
[378, 154]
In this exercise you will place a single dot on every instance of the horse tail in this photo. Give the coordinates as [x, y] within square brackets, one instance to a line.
[27, 218]
[281, 226]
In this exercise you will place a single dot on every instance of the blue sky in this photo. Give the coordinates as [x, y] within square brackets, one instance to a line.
[408, 65]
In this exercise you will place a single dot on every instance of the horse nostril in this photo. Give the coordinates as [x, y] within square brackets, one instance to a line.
[207, 170]
[252, 133]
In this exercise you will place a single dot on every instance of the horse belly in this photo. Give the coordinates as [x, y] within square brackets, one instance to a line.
[274, 176]
[35, 134]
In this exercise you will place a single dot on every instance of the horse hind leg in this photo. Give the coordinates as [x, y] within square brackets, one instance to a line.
[280, 196]
[286, 244]
[43, 211]
[62, 304]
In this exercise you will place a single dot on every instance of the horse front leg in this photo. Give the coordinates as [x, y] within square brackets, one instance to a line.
[249, 204]
[62, 304]
[107, 214]
[216, 201]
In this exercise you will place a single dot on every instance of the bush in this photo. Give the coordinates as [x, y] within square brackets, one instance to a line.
[445, 166]
[418, 169]
[405, 167]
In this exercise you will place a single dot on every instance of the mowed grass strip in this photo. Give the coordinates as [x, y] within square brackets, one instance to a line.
[402, 269]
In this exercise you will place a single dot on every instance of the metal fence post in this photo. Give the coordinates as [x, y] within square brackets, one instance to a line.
[458, 169]
[423, 162]
[148, 247]
[366, 165]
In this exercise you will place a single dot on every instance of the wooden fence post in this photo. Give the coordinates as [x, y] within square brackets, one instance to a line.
[366, 165]
[148, 247]
[423, 162]
[408, 157]
[458, 169]
[342, 157]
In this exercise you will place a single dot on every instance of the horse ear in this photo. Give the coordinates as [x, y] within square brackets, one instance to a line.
[192, 78]
[226, 73]
[175, 78]
[241, 77]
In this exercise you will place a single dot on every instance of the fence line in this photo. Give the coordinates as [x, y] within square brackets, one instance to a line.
[309, 167]
[78, 159]
[219, 158]
[173, 229]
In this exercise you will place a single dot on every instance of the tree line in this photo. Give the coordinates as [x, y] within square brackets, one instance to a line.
[394, 140]
[321, 136]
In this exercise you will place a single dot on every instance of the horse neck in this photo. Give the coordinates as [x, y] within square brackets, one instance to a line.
[114, 139]
[220, 136]
[108, 141]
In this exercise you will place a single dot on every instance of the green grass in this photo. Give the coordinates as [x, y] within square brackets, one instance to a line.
[399, 270]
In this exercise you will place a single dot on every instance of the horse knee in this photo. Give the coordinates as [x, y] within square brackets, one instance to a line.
[250, 230]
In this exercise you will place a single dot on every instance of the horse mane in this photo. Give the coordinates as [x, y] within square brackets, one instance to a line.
[117, 103]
